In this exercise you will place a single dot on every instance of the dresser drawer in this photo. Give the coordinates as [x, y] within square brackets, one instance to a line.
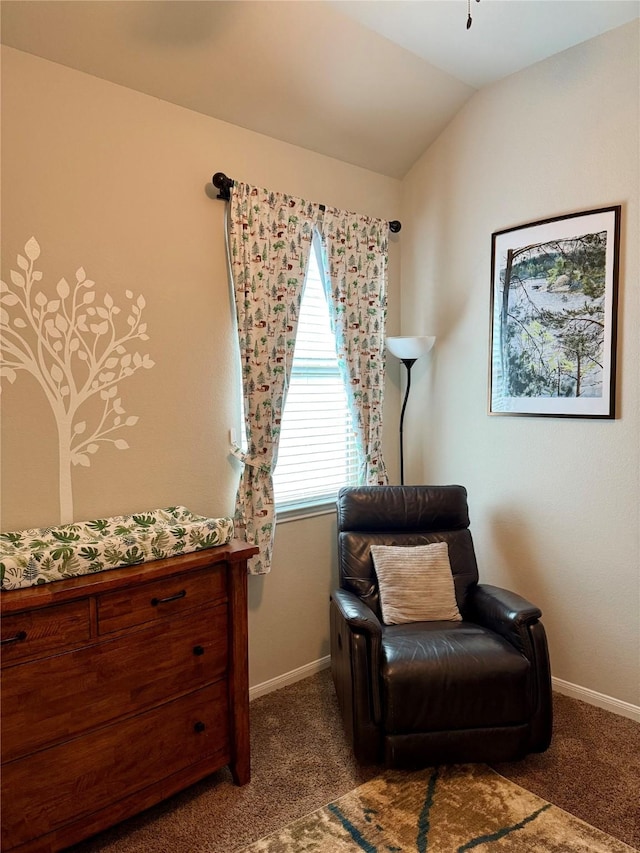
[70, 781]
[38, 632]
[50, 700]
[158, 599]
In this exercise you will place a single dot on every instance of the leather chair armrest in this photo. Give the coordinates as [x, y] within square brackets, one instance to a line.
[358, 615]
[504, 612]
[360, 619]
[516, 619]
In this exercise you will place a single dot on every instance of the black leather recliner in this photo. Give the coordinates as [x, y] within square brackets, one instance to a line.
[424, 693]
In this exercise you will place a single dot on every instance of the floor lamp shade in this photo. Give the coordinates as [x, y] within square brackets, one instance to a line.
[408, 349]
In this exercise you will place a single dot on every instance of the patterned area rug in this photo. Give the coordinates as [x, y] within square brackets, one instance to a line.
[441, 810]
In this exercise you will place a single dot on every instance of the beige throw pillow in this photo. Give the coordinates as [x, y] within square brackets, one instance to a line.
[416, 583]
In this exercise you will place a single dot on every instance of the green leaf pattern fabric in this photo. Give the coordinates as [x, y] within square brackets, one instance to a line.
[41, 555]
[269, 243]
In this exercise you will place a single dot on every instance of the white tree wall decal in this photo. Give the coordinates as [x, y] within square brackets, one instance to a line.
[75, 349]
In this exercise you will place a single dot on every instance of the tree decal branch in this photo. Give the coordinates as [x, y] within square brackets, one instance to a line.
[76, 349]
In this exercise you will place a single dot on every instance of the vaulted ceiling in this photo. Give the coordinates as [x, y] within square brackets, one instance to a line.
[370, 83]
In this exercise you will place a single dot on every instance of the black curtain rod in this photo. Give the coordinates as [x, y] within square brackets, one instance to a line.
[223, 184]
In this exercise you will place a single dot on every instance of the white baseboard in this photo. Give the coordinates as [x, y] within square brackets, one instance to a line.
[289, 677]
[592, 697]
[600, 700]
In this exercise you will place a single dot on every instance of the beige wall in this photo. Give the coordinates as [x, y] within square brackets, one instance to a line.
[116, 182]
[554, 503]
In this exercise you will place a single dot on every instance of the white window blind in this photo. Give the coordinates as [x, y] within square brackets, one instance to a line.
[318, 449]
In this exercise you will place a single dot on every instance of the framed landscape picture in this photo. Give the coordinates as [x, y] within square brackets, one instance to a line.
[554, 290]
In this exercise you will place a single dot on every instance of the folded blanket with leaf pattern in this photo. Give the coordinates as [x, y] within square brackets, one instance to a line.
[45, 554]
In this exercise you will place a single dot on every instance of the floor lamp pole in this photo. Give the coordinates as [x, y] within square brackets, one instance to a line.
[408, 363]
[408, 349]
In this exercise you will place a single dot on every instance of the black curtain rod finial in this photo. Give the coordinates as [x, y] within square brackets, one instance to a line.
[223, 184]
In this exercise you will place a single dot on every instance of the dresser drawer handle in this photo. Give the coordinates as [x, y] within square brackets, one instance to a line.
[198, 650]
[21, 635]
[156, 601]
[199, 727]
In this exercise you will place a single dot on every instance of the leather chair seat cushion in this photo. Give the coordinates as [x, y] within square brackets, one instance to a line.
[439, 676]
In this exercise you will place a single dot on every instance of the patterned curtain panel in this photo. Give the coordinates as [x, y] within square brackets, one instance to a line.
[270, 237]
[356, 256]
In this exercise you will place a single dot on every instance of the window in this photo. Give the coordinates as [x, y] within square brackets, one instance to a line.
[318, 449]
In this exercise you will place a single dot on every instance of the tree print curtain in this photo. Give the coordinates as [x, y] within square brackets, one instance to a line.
[356, 256]
[270, 237]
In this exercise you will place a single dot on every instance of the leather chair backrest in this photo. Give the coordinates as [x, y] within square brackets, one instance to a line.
[402, 515]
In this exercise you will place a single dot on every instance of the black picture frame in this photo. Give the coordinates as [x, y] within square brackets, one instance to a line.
[554, 305]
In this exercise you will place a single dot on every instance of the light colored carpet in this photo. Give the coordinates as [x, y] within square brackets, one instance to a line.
[450, 809]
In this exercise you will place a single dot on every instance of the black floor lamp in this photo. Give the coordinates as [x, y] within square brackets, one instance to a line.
[408, 350]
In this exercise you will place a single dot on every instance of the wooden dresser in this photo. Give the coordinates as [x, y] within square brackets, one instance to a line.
[119, 689]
